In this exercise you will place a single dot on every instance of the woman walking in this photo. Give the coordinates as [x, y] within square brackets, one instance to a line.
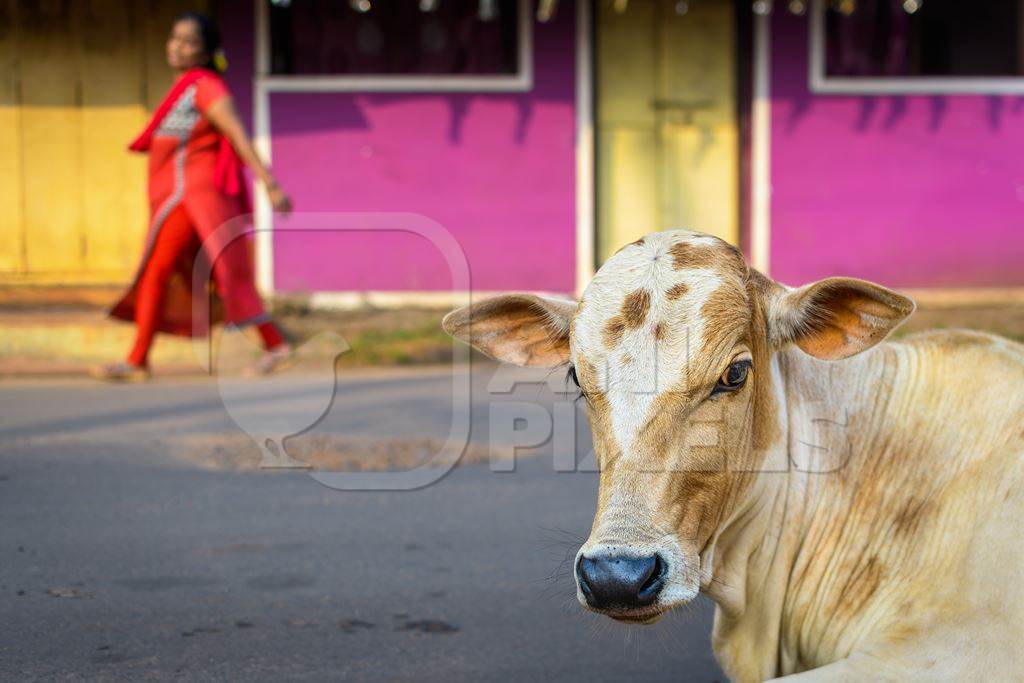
[196, 145]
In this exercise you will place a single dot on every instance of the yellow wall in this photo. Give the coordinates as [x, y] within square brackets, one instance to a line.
[667, 134]
[11, 234]
[76, 83]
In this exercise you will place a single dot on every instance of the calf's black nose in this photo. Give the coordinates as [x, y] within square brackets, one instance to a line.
[623, 581]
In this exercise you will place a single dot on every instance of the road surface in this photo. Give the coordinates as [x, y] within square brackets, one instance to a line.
[121, 558]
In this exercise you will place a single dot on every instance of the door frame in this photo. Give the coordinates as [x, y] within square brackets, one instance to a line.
[760, 146]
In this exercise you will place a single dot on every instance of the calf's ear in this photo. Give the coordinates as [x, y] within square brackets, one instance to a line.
[835, 318]
[521, 329]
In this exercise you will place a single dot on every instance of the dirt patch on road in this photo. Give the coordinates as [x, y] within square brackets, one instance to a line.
[326, 453]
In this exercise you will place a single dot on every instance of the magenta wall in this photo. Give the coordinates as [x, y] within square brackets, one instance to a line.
[909, 191]
[496, 170]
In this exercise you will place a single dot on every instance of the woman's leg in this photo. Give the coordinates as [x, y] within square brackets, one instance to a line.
[175, 236]
[233, 276]
[232, 272]
[272, 337]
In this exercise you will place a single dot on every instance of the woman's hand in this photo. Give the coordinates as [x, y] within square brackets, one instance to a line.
[281, 202]
[224, 118]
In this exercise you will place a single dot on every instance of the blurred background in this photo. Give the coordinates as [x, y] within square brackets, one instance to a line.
[876, 138]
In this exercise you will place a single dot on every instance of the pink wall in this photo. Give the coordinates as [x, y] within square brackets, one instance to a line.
[496, 170]
[909, 191]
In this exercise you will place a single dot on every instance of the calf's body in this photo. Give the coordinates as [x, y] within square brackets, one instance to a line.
[892, 549]
[852, 506]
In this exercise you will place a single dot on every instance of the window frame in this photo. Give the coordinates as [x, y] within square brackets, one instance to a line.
[521, 81]
[820, 83]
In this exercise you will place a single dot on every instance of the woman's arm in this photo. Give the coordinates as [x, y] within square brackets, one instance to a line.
[224, 117]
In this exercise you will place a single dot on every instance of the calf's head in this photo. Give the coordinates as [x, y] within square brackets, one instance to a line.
[671, 346]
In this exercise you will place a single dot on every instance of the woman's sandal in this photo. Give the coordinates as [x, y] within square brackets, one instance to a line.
[275, 360]
[120, 372]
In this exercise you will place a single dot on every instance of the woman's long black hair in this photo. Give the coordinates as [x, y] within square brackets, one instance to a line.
[208, 33]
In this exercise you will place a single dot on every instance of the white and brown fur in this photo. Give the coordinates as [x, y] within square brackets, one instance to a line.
[855, 510]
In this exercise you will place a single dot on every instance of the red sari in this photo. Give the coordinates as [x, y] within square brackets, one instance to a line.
[192, 167]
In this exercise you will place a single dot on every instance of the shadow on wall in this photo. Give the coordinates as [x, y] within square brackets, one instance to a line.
[344, 111]
[553, 83]
[881, 112]
[789, 87]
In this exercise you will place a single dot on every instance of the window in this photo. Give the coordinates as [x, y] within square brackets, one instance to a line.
[917, 46]
[430, 42]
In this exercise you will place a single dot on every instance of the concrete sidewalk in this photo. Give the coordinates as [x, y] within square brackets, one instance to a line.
[62, 332]
[62, 342]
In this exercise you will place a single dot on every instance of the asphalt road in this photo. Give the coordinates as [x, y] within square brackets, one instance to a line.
[121, 559]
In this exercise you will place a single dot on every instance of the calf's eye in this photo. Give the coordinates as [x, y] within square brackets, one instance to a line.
[734, 377]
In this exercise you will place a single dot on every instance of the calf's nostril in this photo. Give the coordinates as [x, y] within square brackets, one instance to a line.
[581, 577]
[652, 586]
[626, 581]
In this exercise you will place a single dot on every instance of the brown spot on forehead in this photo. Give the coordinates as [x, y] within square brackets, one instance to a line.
[686, 255]
[635, 307]
[720, 256]
[632, 315]
[659, 331]
[676, 291]
[612, 332]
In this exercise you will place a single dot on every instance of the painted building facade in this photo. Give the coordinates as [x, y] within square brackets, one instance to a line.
[593, 124]
[917, 182]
